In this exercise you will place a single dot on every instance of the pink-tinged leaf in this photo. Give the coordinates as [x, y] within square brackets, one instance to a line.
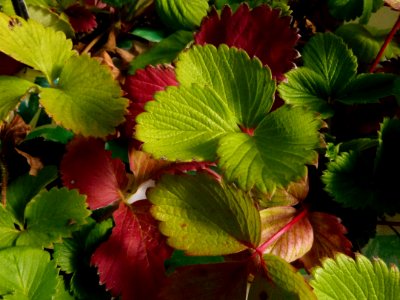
[131, 261]
[88, 167]
[261, 32]
[207, 282]
[140, 89]
[8, 65]
[81, 19]
[329, 239]
[285, 232]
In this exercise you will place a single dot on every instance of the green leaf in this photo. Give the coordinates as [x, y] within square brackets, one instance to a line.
[12, 89]
[368, 88]
[87, 100]
[52, 215]
[8, 232]
[243, 83]
[163, 52]
[179, 259]
[282, 282]
[203, 217]
[366, 42]
[185, 124]
[51, 133]
[344, 278]
[31, 43]
[182, 14]
[25, 187]
[386, 247]
[277, 153]
[351, 9]
[150, 34]
[27, 273]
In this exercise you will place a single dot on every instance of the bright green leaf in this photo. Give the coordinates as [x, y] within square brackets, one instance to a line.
[182, 14]
[27, 273]
[345, 278]
[243, 83]
[12, 89]
[8, 232]
[185, 124]
[86, 100]
[51, 133]
[163, 52]
[366, 42]
[41, 48]
[277, 153]
[282, 282]
[203, 217]
[52, 215]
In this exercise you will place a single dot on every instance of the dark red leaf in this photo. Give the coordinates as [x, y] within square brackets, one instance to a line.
[81, 19]
[141, 87]
[88, 167]
[8, 65]
[131, 261]
[329, 238]
[221, 281]
[261, 32]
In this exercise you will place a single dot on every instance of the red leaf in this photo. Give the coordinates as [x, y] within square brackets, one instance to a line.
[131, 261]
[81, 19]
[8, 65]
[141, 88]
[329, 238]
[261, 32]
[207, 282]
[88, 167]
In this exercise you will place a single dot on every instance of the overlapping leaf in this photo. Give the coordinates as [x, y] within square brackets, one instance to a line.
[27, 273]
[181, 14]
[293, 243]
[131, 261]
[345, 278]
[88, 167]
[329, 239]
[202, 217]
[261, 32]
[34, 45]
[351, 9]
[81, 19]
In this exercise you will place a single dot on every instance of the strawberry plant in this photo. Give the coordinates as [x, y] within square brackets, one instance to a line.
[171, 149]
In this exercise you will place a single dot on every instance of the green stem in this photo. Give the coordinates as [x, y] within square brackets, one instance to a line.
[388, 39]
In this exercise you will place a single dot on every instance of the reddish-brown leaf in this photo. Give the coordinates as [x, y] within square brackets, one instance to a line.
[131, 261]
[261, 32]
[8, 65]
[329, 238]
[141, 87]
[81, 19]
[221, 281]
[88, 167]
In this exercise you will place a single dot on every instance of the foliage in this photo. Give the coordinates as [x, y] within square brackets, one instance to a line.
[173, 149]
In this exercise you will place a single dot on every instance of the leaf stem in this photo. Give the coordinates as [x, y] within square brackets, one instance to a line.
[20, 8]
[4, 180]
[388, 39]
[282, 231]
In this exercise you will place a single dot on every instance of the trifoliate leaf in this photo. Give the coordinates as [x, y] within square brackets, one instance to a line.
[242, 83]
[351, 9]
[366, 42]
[163, 52]
[182, 14]
[261, 32]
[131, 261]
[24, 188]
[277, 153]
[29, 42]
[52, 215]
[207, 282]
[293, 243]
[203, 217]
[329, 239]
[12, 89]
[185, 124]
[88, 167]
[281, 282]
[345, 278]
[86, 100]
[27, 273]
[53, 133]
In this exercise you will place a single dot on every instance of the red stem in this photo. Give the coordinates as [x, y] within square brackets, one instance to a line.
[388, 39]
[282, 231]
